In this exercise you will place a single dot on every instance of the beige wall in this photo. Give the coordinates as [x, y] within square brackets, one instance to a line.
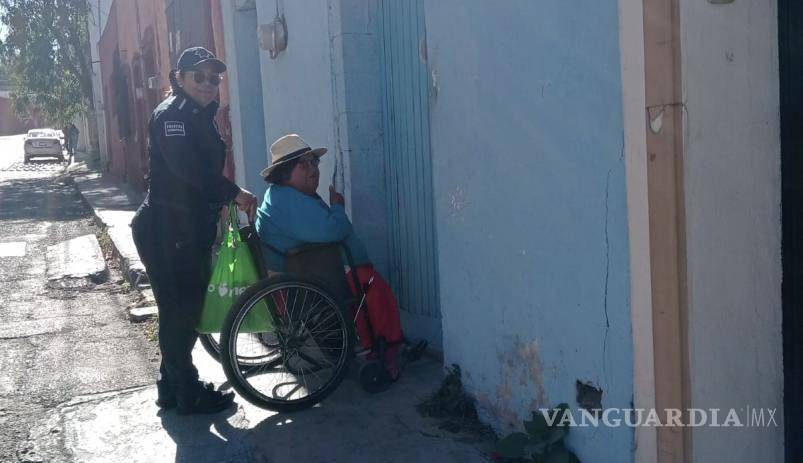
[631, 40]
[733, 226]
[662, 110]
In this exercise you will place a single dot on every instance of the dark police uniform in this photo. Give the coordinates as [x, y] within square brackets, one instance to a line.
[175, 226]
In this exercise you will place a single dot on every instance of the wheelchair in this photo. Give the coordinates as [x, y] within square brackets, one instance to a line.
[306, 352]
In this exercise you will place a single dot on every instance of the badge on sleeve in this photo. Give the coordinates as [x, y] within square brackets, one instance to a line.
[174, 129]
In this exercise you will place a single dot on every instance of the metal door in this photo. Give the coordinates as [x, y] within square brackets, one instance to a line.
[408, 166]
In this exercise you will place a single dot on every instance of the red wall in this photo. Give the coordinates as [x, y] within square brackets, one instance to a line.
[134, 46]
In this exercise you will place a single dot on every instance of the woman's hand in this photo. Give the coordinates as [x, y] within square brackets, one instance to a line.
[335, 197]
[247, 203]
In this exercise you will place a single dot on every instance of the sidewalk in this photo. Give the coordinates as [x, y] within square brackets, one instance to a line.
[349, 426]
[114, 204]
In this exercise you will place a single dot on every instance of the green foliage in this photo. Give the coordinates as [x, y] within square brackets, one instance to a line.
[454, 406]
[543, 440]
[46, 54]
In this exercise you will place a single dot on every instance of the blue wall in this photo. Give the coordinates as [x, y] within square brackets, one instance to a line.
[356, 54]
[527, 141]
[252, 120]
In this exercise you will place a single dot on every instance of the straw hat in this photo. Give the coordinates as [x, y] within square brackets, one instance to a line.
[287, 148]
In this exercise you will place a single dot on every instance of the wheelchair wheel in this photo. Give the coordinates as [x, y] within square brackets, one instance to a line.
[373, 377]
[311, 332]
[211, 344]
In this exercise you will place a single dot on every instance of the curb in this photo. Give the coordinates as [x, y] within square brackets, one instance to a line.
[132, 269]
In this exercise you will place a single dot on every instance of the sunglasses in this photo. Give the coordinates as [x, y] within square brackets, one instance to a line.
[200, 77]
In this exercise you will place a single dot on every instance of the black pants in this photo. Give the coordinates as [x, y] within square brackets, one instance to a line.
[176, 256]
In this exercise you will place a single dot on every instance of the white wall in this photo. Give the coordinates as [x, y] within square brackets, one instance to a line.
[631, 45]
[297, 88]
[732, 190]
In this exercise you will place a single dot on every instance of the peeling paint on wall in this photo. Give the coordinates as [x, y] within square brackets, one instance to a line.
[457, 199]
[520, 376]
[656, 120]
[589, 397]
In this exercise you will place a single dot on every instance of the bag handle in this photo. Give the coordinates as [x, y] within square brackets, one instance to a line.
[233, 225]
[234, 220]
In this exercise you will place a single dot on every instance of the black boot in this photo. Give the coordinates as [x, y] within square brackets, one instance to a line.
[204, 400]
[166, 394]
[414, 349]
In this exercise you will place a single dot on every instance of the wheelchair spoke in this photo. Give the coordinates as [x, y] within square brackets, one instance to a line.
[293, 310]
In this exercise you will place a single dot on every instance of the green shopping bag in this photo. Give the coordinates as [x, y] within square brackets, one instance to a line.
[234, 272]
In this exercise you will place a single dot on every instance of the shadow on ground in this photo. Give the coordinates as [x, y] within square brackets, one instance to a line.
[51, 199]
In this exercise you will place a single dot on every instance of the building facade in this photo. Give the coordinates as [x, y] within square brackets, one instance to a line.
[575, 202]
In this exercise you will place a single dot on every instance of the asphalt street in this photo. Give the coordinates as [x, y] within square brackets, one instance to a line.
[60, 338]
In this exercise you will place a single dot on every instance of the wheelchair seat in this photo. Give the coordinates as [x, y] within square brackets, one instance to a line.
[320, 261]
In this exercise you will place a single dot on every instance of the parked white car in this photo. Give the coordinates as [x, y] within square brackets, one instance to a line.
[43, 143]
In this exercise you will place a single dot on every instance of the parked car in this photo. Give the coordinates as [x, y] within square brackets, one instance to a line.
[43, 143]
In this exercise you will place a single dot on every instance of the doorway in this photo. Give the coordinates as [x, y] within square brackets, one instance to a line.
[413, 269]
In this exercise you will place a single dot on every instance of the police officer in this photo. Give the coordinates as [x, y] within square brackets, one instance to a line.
[175, 226]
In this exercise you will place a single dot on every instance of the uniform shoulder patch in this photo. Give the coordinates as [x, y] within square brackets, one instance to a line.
[174, 129]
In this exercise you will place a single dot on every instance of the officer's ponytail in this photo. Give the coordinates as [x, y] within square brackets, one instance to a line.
[173, 81]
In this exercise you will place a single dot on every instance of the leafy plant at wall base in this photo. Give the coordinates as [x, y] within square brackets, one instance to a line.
[542, 442]
[455, 407]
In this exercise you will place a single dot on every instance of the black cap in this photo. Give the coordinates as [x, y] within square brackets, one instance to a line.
[192, 57]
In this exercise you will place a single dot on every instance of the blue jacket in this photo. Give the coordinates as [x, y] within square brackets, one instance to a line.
[289, 218]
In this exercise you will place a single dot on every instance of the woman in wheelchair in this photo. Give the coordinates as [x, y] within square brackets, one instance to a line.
[301, 234]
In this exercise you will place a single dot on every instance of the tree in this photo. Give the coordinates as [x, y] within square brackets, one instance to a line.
[4, 82]
[46, 50]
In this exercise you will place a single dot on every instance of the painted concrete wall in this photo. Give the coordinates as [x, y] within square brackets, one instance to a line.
[99, 13]
[325, 87]
[131, 26]
[632, 46]
[297, 87]
[9, 122]
[531, 207]
[107, 47]
[245, 94]
[356, 58]
[732, 188]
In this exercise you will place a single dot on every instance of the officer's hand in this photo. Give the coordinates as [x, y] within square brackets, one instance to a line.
[247, 203]
[335, 197]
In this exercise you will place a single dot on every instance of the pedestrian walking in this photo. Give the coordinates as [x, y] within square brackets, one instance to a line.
[71, 133]
[74, 132]
[175, 226]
